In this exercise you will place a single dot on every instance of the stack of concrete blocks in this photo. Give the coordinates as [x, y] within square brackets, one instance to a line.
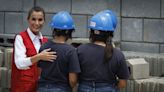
[154, 83]
[139, 69]
[156, 61]
[5, 70]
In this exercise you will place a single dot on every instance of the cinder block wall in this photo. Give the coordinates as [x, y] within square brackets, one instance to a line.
[140, 22]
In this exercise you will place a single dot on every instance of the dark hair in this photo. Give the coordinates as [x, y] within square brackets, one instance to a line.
[36, 9]
[106, 37]
[60, 32]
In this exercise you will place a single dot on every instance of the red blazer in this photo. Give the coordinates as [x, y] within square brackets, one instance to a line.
[25, 80]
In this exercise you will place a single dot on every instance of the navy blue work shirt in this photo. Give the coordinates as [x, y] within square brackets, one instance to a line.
[66, 62]
[93, 67]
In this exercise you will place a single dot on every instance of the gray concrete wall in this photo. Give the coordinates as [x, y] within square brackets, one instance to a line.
[140, 22]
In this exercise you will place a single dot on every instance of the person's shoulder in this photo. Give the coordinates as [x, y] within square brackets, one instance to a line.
[69, 46]
[83, 45]
[48, 43]
[117, 52]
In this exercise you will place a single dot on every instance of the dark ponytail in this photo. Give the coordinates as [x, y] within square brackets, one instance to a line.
[109, 48]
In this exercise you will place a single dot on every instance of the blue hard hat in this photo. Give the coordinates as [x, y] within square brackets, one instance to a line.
[113, 16]
[104, 21]
[62, 20]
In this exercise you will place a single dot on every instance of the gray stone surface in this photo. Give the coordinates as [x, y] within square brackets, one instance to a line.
[153, 84]
[139, 68]
[132, 29]
[162, 48]
[92, 6]
[156, 61]
[161, 64]
[8, 57]
[142, 47]
[81, 26]
[27, 4]
[117, 32]
[1, 58]
[25, 22]
[54, 5]
[11, 5]
[46, 30]
[9, 79]
[141, 8]
[162, 9]
[3, 77]
[1, 22]
[153, 30]
[13, 23]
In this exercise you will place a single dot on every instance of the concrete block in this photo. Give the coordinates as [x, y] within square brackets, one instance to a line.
[141, 8]
[151, 62]
[156, 67]
[139, 68]
[162, 9]
[131, 86]
[1, 22]
[161, 48]
[1, 58]
[15, 20]
[46, 30]
[3, 77]
[9, 79]
[155, 60]
[136, 86]
[152, 87]
[8, 57]
[128, 86]
[132, 54]
[81, 29]
[91, 7]
[161, 64]
[140, 47]
[54, 5]
[11, 5]
[117, 32]
[132, 29]
[27, 4]
[161, 87]
[149, 26]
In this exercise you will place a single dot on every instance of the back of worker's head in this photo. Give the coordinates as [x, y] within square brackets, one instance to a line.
[102, 26]
[62, 24]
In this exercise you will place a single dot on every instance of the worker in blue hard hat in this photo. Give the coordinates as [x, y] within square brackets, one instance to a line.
[61, 74]
[103, 68]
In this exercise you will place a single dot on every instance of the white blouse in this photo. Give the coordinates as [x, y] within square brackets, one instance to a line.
[21, 60]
